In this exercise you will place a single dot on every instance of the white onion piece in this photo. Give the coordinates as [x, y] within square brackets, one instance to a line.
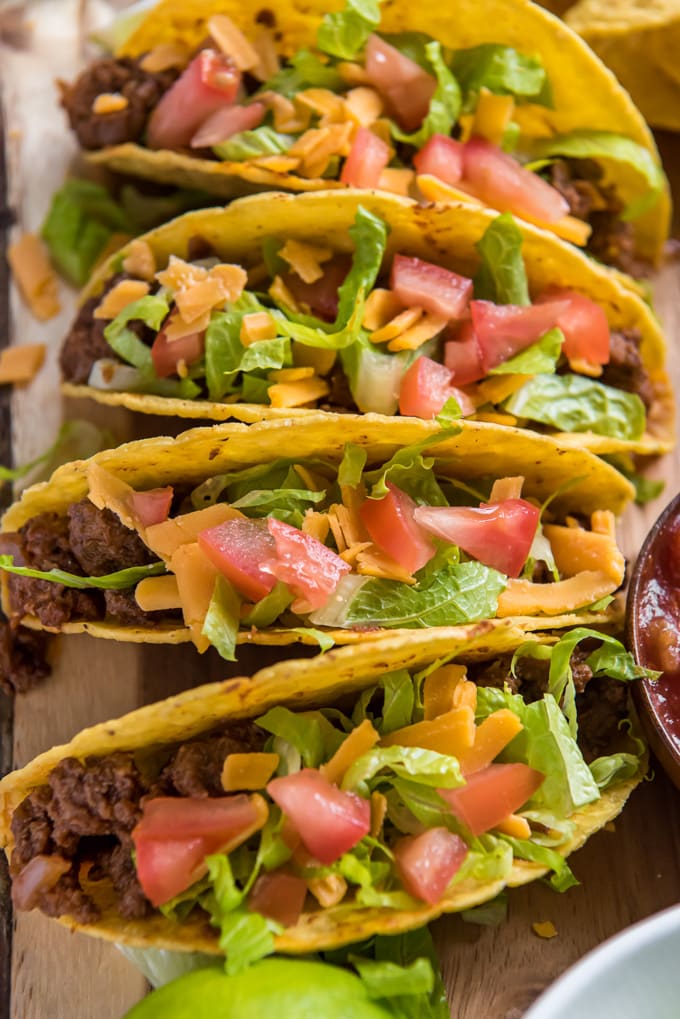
[109, 374]
[334, 612]
[39, 875]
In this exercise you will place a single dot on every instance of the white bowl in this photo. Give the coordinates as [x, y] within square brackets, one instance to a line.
[635, 975]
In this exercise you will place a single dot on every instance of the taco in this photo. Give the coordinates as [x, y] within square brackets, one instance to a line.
[442, 766]
[328, 530]
[365, 302]
[439, 103]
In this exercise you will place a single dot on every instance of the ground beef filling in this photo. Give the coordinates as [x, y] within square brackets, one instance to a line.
[625, 369]
[86, 813]
[86, 542]
[601, 703]
[23, 662]
[612, 240]
[125, 77]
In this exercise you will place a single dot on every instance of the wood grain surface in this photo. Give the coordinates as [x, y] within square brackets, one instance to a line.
[626, 874]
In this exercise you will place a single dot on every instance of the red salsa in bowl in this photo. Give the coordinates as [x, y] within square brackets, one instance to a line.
[653, 625]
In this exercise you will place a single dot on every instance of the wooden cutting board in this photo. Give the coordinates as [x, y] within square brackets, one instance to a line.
[626, 873]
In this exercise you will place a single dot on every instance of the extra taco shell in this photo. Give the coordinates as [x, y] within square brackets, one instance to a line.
[446, 236]
[586, 557]
[335, 679]
[586, 97]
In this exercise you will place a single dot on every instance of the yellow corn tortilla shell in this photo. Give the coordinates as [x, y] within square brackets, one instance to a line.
[638, 40]
[586, 94]
[484, 451]
[443, 234]
[298, 685]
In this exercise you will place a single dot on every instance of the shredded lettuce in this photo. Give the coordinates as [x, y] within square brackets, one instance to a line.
[118, 581]
[538, 359]
[617, 148]
[374, 376]
[261, 141]
[152, 311]
[222, 619]
[310, 733]
[324, 640]
[575, 403]
[489, 914]
[345, 33]
[226, 356]
[502, 277]
[444, 106]
[269, 608]
[562, 877]
[502, 70]
[426, 767]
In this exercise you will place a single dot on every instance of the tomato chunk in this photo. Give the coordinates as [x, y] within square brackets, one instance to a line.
[427, 862]
[176, 834]
[330, 821]
[426, 387]
[499, 535]
[403, 83]
[238, 548]
[491, 794]
[391, 525]
[279, 896]
[499, 181]
[311, 570]
[503, 330]
[442, 157]
[424, 285]
[321, 297]
[584, 324]
[228, 121]
[152, 507]
[166, 354]
[210, 81]
[463, 357]
[367, 159]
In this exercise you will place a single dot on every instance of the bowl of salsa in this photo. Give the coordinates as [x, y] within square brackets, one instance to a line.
[653, 627]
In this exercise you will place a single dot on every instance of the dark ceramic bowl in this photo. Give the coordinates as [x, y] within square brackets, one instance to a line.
[653, 632]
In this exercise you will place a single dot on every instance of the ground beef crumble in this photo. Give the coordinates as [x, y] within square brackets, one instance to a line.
[23, 662]
[88, 809]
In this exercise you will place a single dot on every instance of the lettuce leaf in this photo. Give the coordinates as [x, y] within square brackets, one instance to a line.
[374, 376]
[352, 465]
[386, 979]
[458, 593]
[575, 403]
[502, 70]
[221, 624]
[607, 145]
[304, 70]
[261, 141]
[502, 277]
[245, 937]
[426, 767]
[307, 733]
[269, 608]
[225, 355]
[118, 581]
[538, 359]
[344, 33]
[562, 877]
[444, 106]
[152, 311]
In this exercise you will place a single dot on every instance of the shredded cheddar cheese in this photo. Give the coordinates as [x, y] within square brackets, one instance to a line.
[524, 598]
[258, 325]
[424, 329]
[305, 259]
[196, 577]
[140, 260]
[451, 733]
[398, 180]
[378, 812]
[109, 102]
[277, 164]
[268, 63]
[358, 742]
[164, 56]
[34, 276]
[492, 116]
[248, 771]
[176, 328]
[326, 104]
[352, 73]
[506, 488]
[165, 538]
[123, 294]
[328, 890]
[544, 929]
[107, 491]
[435, 190]
[280, 292]
[515, 826]
[582, 367]
[290, 374]
[316, 146]
[297, 394]
[316, 524]
[20, 364]
[288, 118]
[399, 324]
[589, 550]
[439, 689]
[364, 105]
[314, 357]
[232, 42]
[495, 390]
[156, 594]
[380, 308]
[491, 736]
[193, 302]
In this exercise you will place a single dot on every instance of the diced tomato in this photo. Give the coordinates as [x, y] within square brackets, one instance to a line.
[177, 833]
[166, 354]
[499, 181]
[152, 507]
[329, 820]
[491, 794]
[503, 330]
[391, 525]
[424, 285]
[238, 548]
[367, 159]
[584, 324]
[427, 862]
[463, 356]
[311, 570]
[321, 297]
[228, 121]
[279, 896]
[499, 534]
[210, 81]
[426, 387]
[442, 157]
[406, 86]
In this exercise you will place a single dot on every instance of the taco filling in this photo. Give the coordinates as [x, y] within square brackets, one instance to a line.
[303, 544]
[399, 112]
[307, 326]
[394, 799]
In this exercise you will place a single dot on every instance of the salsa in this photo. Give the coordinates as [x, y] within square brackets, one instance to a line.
[657, 622]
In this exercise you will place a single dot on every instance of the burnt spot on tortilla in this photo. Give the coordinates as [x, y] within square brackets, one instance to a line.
[266, 17]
